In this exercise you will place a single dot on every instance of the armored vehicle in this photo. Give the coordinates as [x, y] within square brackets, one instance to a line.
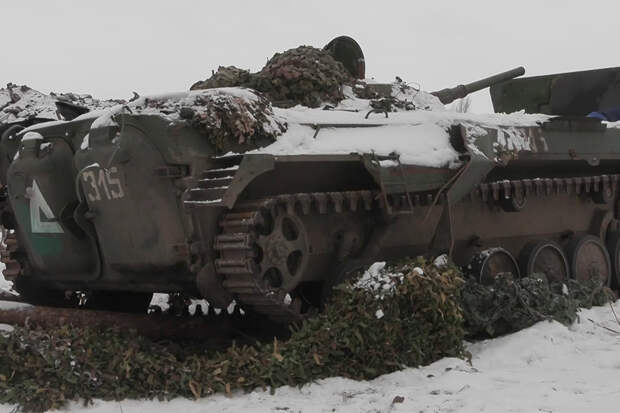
[139, 200]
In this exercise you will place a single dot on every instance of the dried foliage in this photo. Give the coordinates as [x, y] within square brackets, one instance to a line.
[393, 97]
[511, 305]
[303, 75]
[421, 321]
[410, 314]
[228, 117]
[226, 76]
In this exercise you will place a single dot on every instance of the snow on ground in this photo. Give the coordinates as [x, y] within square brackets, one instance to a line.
[545, 368]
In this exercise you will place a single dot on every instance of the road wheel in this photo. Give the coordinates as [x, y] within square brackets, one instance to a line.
[547, 257]
[488, 264]
[588, 258]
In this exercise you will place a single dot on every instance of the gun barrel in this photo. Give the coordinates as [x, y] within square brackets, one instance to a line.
[449, 95]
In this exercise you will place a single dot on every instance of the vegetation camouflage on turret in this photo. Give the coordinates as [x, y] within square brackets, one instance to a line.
[228, 117]
[304, 75]
[358, 336]
[226, 76]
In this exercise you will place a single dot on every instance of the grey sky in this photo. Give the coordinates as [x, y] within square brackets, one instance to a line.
[110, 48]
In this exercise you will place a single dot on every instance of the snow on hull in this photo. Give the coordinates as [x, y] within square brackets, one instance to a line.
[18, 103]
[28, 103]
[545, 368]
[170, 103]
[422, 144]
[419, 137]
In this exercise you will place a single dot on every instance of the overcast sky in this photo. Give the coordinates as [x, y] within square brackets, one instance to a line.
[113, 47]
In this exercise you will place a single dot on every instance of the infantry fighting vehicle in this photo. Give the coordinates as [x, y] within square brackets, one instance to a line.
[143, 204]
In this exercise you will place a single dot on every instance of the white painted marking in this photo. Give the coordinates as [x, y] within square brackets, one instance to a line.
[42, 219]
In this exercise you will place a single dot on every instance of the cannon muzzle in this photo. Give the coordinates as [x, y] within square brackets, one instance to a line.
[449, 95]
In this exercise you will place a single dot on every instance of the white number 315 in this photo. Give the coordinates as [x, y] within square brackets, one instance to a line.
[103, 182]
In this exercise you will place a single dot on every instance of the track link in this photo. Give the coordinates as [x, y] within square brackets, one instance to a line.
[601, 187]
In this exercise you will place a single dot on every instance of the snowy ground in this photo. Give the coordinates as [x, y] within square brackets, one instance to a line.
[545, 368]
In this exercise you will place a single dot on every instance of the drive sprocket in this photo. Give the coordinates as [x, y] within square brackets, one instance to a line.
[265, 254]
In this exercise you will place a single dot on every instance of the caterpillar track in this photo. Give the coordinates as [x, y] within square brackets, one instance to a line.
[602, 188]
[244, 245]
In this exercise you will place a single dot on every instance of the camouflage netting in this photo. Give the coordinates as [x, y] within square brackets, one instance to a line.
[359, 335]
[407, 314]
[511, 305]
[304, 75]
[226, 116]
[226, 76]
